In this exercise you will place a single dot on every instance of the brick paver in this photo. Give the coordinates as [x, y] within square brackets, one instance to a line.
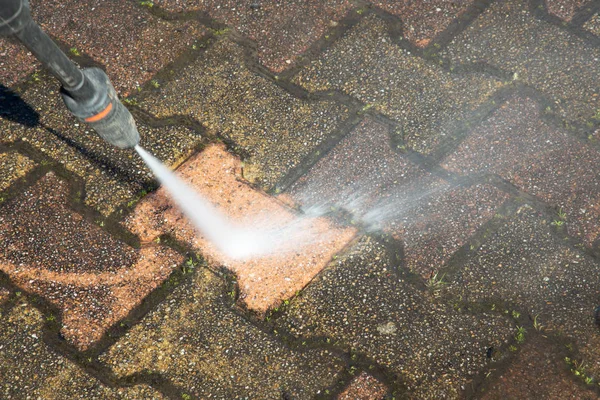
[565, 9]
[30, 368]
[203, 347]
[428, 101]
[265, 280]
[429, 346]
[364, 387]
[593, 24]
[559, 64]
[275, 129]
[92, 278]
[544, 161]
[13, 166]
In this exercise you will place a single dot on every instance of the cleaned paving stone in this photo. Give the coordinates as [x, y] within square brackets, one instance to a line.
[428, 101]
[565, 9]
[548, 163]
[562, 66]
[538, 372]
[196, 340]
[423, 21]
[275, 129]
[282, 30]
[364, 387]
[31, 369]
[13, 166]
[264, 281]
[593, 24]
[524, 263]
[362, 304]
[384, 190]
[92, 278]
[131, 43]
[15, 62]
[112, 176]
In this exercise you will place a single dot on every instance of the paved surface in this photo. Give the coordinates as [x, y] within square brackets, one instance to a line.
[442, 157]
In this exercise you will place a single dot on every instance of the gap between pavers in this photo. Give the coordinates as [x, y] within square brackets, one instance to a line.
[264, 282]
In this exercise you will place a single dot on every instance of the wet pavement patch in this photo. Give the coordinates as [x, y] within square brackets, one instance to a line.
[30, 368]
[274, 129]
[195, 339]
[264, 281]
[92, 278]
[428, 102]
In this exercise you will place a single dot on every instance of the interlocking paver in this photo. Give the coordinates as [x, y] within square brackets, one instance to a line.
[422, 21]
[131, 43]
[522, 262]
[92, 278]
[559, 64]
[384, 190]
[364, 387]
[4, 295]
[593, 24]
[538, 372]
[266, 280]
[282, 30]
[428, 101]
[539, 159]
[30, 369]
[275, 129]
[364, 305]
[13, 166]
[112, 176]
[565, 9]
[15, 62]
[196, 341]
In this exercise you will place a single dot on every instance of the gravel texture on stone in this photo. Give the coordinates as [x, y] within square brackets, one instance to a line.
[275, 129]
[112, 176]
[15, 62]
[565, 9]
[593, 24]
[265, 280]
[524, 263]
[365, 306]
[30, 369]
[4, 295]
[428, 101]
[92, 278]
[13, 166]
[423, 21]
[539, 371]
[199, 343]
[282, 30]
[561, 65]
[546, 162]
[382, 189]
[364, 387]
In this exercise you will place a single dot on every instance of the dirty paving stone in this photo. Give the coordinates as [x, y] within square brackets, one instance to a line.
[196, 341]
[127, 40]
[427, 101]
[4, 295]
[546, 162]
[93, 279]
[112, 176]
[364, 387]
[275, 129]
[593, 24]
[382, 189]
[561, 65]
[362, 304]
[31, 369]
[264, 280]
[565, 9]
[282, 30]
[12, 167]
[538, 371]
[524, 263]
[423, 21]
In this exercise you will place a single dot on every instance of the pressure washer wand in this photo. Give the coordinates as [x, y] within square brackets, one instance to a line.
[87, 93]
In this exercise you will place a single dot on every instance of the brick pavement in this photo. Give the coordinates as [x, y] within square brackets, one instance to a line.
[443, 156]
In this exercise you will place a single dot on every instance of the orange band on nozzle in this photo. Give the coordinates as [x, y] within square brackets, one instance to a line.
[100, 115]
